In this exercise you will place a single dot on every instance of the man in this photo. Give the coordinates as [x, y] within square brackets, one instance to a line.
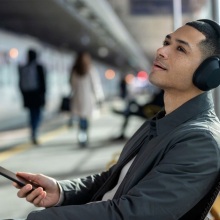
[170, 163]
[33, 88]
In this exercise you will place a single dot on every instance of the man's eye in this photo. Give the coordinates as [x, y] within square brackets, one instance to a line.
[165, 43]
[181, 49]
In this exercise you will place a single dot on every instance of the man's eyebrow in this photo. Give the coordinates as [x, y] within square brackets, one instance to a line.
[179, 41]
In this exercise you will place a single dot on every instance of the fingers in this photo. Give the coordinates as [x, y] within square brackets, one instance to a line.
[39, 200]
[36, 196]
[46, 194]
[24, 191]
[16, 185]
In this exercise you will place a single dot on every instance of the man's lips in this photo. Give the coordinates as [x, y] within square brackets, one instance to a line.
[159, 65]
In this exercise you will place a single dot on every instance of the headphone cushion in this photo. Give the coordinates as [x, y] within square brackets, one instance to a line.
[207, 75]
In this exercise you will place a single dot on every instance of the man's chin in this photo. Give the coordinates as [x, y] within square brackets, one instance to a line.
[151, 78]
[154, 82]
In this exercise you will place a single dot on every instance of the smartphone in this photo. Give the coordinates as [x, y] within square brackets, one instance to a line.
[13, 177]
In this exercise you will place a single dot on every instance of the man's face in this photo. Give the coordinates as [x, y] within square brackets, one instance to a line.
[177, 60]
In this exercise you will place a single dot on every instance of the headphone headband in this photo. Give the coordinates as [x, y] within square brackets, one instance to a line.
[213, 24]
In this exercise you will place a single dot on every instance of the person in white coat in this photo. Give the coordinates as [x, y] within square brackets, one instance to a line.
[82, 104]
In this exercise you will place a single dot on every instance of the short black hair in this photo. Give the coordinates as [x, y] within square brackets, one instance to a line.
[211, 45]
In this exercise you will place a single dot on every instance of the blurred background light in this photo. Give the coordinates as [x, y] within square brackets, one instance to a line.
[13, 53]
[129, 78]
[142, 75]
[110, 74]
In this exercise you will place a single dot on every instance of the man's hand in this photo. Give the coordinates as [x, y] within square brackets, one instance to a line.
[46, 195]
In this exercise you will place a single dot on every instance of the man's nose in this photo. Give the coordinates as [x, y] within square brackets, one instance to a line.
[162, 52]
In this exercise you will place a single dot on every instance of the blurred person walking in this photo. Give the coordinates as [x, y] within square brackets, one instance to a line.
[146, 110]
[83, 99]
[33, 88]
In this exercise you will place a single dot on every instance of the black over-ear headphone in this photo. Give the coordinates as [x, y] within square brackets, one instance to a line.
[207, 75]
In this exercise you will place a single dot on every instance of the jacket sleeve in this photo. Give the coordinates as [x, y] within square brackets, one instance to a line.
[183, 176]
[81, 190]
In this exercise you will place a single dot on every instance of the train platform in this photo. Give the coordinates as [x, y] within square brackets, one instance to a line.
[58, 154]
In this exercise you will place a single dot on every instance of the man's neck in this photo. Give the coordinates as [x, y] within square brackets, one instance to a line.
[173, 100]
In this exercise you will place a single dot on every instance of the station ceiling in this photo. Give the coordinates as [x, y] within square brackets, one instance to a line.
[74, 25]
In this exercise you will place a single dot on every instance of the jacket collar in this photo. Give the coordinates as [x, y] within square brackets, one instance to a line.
[188, 110]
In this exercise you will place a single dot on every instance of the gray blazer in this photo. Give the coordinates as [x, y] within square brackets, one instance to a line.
[177, 163]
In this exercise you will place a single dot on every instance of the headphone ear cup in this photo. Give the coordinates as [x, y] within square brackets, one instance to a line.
[207, 75]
